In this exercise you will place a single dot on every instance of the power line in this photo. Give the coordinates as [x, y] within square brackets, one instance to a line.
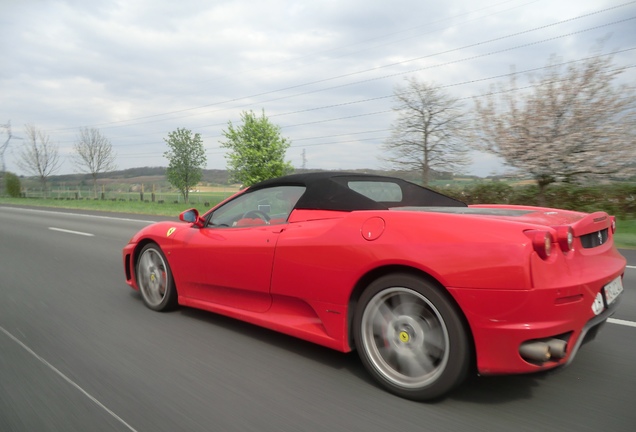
[219, 150]
[507, 75]
[352, 102]
[473, 45]
[465, 59]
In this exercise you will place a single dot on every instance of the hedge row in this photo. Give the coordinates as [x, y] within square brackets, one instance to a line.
[618, 199]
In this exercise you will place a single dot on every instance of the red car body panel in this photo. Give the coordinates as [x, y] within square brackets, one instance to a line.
[302, 277]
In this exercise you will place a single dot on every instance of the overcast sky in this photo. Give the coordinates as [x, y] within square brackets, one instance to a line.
[323, 70]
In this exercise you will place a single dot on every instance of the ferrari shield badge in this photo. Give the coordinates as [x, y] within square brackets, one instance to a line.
[170, 231]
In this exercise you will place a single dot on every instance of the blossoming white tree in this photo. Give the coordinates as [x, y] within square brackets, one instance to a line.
[574, 122]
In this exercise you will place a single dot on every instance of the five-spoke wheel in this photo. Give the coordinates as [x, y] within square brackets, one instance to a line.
[410, 337]
[155, 279]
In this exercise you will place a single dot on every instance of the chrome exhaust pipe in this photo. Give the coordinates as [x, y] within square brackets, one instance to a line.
[557, 347]
[535, 351]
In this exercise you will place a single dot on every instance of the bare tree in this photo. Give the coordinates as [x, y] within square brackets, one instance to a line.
[429, 132]
[573, 123]
[39, 157]
[94, 154]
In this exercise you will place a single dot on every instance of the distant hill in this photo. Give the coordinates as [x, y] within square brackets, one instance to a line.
[135, 175]
[212, 177]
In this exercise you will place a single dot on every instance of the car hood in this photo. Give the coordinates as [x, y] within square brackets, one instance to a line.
[159, 230]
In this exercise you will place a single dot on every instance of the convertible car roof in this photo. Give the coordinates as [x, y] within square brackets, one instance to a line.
[331, 190]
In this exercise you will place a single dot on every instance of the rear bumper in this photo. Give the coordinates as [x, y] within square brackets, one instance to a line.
[590, 330]
[501, 321]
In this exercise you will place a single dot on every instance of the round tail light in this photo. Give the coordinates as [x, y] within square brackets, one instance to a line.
[565, 238]
[542, 242]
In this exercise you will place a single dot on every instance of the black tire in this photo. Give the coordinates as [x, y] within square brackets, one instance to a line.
[154, 279]
[410, 337]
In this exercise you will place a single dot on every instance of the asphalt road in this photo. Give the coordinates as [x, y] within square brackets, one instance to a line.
[80, 352]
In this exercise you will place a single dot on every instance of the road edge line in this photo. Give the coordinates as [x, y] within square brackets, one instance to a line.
[621, 322]
[67, 379]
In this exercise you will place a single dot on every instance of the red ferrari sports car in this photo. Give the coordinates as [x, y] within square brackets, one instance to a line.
[424, 287]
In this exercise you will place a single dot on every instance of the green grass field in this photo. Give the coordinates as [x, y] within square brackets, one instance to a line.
[625, 234]
[134, 207]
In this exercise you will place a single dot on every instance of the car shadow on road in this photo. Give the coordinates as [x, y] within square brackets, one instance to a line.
[476, 389]
[308, 350]
[493, 390]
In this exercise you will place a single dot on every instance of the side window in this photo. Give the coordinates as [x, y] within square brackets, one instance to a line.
[377, 190]
[261, 207]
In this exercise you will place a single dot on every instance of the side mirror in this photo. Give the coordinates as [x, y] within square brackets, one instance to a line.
[191, 216]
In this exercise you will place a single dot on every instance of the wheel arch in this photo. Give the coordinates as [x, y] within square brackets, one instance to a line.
[376, 273]
[140, 245]
[135, 256]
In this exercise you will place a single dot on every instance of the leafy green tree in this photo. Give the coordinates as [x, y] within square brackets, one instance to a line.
[257, 150]
[13, 186]
[187, 159]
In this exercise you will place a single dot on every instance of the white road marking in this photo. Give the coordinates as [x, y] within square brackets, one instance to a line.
[72, 232]
[621, 322]
[631, 267]
[78, 214]
[67, 379]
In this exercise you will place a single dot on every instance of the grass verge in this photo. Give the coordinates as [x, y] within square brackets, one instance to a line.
[133, 207]
[625, 236]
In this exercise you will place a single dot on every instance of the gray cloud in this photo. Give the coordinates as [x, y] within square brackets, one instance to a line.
[324, 71]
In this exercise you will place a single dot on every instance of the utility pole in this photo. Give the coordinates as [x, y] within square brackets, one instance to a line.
[7, 127]
[3, 148]
[304, 156]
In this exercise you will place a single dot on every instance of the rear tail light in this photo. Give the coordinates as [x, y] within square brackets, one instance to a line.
[542, 243]
[565, 238]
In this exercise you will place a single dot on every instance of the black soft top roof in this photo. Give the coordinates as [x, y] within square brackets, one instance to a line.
[329, 190]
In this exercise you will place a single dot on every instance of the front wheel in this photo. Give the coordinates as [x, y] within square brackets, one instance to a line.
[154, 279]
[410, 337]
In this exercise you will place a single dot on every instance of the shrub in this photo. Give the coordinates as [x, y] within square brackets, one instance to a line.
[491, 193]
[617, 199]
[12, 183]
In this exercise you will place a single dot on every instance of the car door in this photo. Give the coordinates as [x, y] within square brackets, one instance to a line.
[230, 260]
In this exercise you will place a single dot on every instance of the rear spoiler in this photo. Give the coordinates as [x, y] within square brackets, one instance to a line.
[593, 222]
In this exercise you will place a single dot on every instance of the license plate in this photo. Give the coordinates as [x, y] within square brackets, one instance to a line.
[613, 290]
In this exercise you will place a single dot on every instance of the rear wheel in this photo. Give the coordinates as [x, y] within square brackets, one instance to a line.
[154, 279]
[410, 337]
